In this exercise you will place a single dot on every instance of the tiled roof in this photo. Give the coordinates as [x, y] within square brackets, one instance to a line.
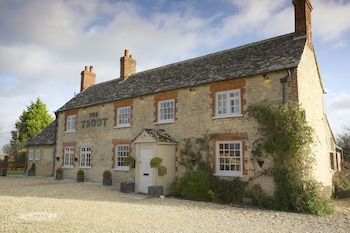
[45, 137]
[277, 53]
[159, 135]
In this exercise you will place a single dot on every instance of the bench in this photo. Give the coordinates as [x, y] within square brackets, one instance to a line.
[14, 166]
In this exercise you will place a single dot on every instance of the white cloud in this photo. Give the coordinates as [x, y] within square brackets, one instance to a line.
[331, 19]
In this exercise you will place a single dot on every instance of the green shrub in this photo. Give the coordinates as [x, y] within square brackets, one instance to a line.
[341, 182]
[230, 191]
[194, 185]
[259, 197]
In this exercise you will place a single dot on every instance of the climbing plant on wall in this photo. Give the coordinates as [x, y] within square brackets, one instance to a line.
[286, 137]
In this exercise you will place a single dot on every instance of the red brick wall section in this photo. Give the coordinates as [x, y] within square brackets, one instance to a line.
[123, 103]
[230, 137]
[224, 86]
[117, 142]
[68, 113]
[292, 86]
[165, 96]
[68, 144]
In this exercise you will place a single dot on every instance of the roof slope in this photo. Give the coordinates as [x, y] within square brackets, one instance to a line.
[273, 54]
[45, 137]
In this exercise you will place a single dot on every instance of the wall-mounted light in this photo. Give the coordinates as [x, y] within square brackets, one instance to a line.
[141, 98]
[265, 77]
[191, 89]
[57, 159]
[76, 159]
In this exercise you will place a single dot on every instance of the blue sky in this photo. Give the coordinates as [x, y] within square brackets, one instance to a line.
[44, 45]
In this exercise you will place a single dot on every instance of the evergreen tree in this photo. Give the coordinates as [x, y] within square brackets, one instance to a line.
[343, 141]
[30, 124]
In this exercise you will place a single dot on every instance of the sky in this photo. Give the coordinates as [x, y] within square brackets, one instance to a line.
[44, 45]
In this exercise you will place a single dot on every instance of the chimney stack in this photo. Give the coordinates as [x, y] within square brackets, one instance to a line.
[302, 14]
[87, 78]
[127, 66]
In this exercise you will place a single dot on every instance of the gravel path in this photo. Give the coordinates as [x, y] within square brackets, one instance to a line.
[37, 204]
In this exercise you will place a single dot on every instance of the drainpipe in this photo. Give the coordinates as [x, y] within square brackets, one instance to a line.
[284, 81]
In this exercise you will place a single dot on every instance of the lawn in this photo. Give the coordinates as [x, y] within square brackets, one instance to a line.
[14, 172]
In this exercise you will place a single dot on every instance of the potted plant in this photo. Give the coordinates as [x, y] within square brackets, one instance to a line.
[59, 173]
[156, 190]
[129, 161]
[31, 171]
[80, 176]
[107, 178]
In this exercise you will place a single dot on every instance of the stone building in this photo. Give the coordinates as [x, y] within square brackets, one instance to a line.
[150, 113]
[41, 151]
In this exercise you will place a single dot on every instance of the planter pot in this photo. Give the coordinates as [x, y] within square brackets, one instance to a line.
[80, 178]
[31, 173]
[59, 176]
[155, 191]
[107, 181]
[127, 187]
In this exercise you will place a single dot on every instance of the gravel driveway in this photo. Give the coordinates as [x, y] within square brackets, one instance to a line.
[38, 204]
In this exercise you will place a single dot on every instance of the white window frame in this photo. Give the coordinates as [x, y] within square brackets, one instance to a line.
[37, 154]
[228, 103]
[85, 156]
[68, 156]
[123, 116]
[71, 123]
[31, 155]
[165, 117]
[229, 161]
[121, 151]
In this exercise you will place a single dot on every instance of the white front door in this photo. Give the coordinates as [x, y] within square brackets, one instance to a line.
[146, 174]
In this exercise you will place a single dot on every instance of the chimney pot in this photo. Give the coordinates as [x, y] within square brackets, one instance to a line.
[87, 78]
[127, 65]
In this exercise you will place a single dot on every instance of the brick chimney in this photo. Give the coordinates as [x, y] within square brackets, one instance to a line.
[302, 14]
[127, 66]
[87, 78]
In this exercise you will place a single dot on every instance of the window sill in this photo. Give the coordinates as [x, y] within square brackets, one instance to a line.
[84, 167]
[122, 126]
[73, 131]
[164, 122]
[125, 169]
[228, 174]
[227, 116]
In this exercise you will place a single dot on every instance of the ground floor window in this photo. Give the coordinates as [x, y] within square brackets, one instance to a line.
[121, 151]
[85, 156]
[68, 159]
[229, 158]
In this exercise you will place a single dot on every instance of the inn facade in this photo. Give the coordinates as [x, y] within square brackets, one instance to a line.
[149, 114]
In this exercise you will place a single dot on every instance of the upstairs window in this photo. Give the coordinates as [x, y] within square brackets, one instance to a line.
[123, 116]
[228, 103]
[121, 151]
[229, 158]
[71, 123]
[85, 157]
[166, 111]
